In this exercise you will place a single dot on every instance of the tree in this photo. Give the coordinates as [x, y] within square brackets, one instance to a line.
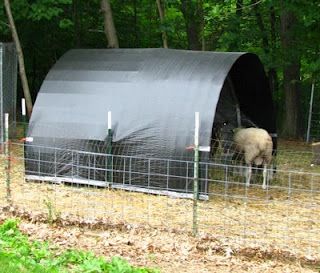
[192, 11]
[235, 26]
[77, 23]
[109, 27]
[291, 72]
[288, 48]
[161, 15]
[22, 71]
[268, 38]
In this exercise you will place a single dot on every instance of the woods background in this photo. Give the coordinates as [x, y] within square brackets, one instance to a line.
[283, 33]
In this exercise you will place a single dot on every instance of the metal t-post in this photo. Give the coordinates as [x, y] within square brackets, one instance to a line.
[24, 116]
[109, 151]
[196, 175]
[310, 113]
[7, 156]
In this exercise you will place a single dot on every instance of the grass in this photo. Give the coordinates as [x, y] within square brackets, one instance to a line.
[18, 255]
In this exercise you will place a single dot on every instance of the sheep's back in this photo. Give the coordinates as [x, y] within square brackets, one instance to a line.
[250, 136]
[254, 143]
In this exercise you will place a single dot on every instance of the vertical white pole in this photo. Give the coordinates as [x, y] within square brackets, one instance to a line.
[310, 113]
[6, 121]
[109, 150]
[6, 133]
[196, 128]
[196, 174]
[7, 155]
[109, 120]
[24, 116]
[23, 107]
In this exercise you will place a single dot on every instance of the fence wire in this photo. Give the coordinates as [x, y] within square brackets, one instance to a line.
[315, 126]
[284, 216]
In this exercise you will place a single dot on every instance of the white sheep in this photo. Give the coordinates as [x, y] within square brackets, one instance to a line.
[256, 146]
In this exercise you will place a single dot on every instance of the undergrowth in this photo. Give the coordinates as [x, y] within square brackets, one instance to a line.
[20, 255]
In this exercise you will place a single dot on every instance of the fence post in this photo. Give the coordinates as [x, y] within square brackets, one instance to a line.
[310, 113]
[109, 150]
[196, 175]
[24, 116]
[7, 156]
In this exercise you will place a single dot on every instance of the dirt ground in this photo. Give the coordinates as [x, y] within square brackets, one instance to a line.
[166, 251]
[241, 229]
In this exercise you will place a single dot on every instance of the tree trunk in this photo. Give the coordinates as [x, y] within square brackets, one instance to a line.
[291, 74]
[191, 16]
[77, 23]
[109, 28]
[22, 71]
[135, 23]
[161, 15]
[273, 80]
[202, 25]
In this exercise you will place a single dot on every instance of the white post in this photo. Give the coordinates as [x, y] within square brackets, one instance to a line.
[196, 174]
[24, 116]
[310, 113]
[6, 134]
[23, 106]
[109, 177]
[109, 120]
[6, 121]
[7, 155]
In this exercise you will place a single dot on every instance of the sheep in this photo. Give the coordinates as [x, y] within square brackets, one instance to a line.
[256, 146]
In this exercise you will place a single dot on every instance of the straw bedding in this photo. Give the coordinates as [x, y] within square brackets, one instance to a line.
[280, 219]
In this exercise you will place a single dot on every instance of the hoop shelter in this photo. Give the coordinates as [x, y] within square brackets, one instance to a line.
[152, 95]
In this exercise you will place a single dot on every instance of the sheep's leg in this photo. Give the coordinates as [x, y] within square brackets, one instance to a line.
[249, 173]
[264, 184]
[270, 172]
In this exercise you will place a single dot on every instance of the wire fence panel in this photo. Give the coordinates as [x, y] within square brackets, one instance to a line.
[41, 191]
[315, 126]
[283, 217]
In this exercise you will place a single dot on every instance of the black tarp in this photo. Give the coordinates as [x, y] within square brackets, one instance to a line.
[152, 94]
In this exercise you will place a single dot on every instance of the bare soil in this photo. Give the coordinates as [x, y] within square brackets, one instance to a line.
[240, 229]
[166, 251]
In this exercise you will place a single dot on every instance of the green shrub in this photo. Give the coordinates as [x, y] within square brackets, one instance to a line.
[18, 254]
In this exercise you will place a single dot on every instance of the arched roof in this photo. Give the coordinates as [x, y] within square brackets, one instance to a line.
[152, 94]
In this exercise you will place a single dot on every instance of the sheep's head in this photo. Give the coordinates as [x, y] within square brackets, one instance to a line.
[220, 124]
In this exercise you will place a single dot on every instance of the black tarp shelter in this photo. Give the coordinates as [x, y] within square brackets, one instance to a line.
[152, 94]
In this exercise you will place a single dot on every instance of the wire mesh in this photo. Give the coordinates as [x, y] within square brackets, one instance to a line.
[315, 126]
[282, 217]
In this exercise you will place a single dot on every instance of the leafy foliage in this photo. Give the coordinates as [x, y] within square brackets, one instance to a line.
[18, 254]
[48, 28]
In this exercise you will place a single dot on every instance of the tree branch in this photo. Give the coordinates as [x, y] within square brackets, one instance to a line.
[22, 72]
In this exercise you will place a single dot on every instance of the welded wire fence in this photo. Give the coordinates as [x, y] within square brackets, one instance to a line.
[314, 134]
[145, 191]
[64, 165]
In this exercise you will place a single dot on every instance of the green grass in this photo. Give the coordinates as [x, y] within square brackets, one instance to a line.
[18, 255]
